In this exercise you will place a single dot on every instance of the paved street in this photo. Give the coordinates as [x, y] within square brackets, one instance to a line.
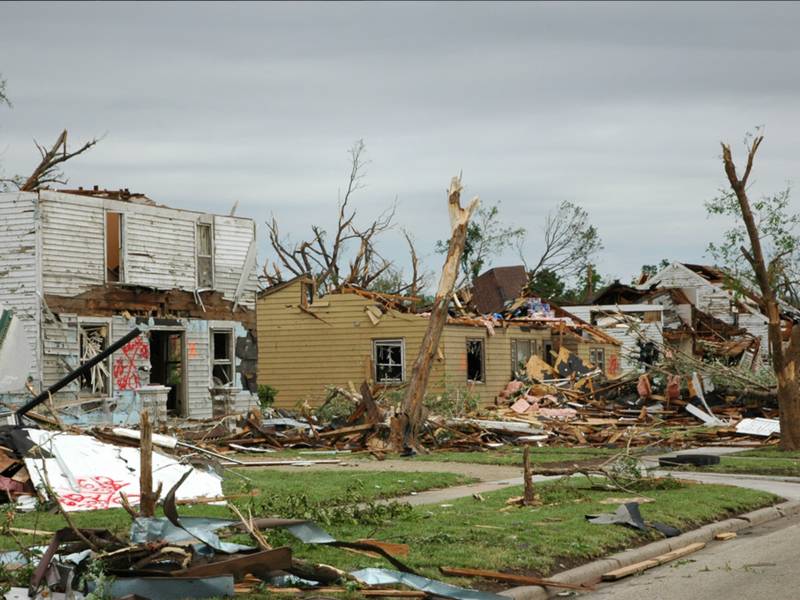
[760, 563]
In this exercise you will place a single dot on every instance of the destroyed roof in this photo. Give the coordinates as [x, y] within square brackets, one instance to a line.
[284, 284]
[495, 287]
[123, 195]
[616, 293]
[710, 273]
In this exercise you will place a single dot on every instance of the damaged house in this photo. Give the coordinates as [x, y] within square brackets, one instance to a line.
[702, 314]
[80, 268]
[307, 342]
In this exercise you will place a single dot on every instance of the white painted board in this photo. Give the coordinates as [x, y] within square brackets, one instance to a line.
[87, 474]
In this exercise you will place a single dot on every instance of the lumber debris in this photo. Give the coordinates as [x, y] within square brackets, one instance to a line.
[653, 562]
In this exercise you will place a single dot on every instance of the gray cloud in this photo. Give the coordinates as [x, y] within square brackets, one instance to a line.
[619, 107]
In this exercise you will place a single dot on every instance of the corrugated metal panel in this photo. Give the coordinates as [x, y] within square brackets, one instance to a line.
[160, 250]
[73, 254]
[232, 237]
[18, 264]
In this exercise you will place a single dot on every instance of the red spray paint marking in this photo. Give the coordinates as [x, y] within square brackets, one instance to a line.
[96, 492]
[126, 371]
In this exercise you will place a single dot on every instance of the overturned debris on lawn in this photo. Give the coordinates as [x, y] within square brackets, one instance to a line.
[186, 557]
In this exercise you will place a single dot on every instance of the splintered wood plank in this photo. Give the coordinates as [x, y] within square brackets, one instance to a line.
[630, 570]
[511, 578]
[725, 536]
[653, 562]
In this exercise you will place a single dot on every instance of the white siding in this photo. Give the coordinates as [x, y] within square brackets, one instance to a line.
[73, 247]
[60, 353]
[198, 370]
[160, 250]
[18, 265]
[232, 238]
[627, 336]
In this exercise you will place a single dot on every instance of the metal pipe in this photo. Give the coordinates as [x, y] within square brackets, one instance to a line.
[70, 377]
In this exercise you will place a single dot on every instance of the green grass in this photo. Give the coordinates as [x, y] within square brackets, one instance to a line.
[470, 533]
[761, 461]
[512, 456]
[466, 532]
[770, 452]
[314, 485]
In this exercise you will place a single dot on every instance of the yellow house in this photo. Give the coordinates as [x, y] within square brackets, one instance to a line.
[306, 343]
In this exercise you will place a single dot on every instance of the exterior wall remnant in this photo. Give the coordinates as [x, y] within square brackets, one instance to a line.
[80, 269]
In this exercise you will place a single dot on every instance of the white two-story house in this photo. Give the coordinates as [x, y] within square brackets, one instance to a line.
[80, 268]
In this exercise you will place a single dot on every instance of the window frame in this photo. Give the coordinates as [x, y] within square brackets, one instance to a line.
[97, 322]
[548, 346]
[230, 363]
[121, 278]
[593, 358]
[482, 342]
[198, 255]
[533, 347]
[401, 342]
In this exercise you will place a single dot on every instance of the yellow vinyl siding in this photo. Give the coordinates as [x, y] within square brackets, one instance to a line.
[497, 356]
[300, 354]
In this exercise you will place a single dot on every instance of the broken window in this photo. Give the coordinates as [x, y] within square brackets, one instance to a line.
[205, 256]
[475, 361]
[389, 359]
[222, 357]
[547, 355]
[597, 356]
[93, 339]
[114, 252]
[306, 294]
[521, 352]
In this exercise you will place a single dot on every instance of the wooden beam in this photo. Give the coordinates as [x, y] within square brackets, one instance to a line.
[511, 578]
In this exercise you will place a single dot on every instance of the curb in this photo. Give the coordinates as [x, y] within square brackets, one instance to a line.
[592, 571]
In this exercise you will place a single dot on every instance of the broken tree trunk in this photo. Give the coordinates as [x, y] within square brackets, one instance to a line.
[529, 498]
[147, 500]
[785, 361]
[410, 418]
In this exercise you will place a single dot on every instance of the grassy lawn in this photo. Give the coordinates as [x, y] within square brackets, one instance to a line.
[489, 535]
[469, 532]
[512, 456]
[758, 461]
[304, 488]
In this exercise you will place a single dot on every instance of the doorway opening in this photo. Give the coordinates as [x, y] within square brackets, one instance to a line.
[167, 369]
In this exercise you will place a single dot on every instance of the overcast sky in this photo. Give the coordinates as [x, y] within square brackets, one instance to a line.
[617, 107]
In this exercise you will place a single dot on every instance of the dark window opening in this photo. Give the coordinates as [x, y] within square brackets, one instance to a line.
[306, 294]
[166, 367]
[388, 361]
[222, 352]
[114, 254]
[205, 256]
[475, 361]
[547, 352]
[93, 340]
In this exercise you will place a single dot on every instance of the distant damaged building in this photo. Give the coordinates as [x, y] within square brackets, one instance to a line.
[80, 268]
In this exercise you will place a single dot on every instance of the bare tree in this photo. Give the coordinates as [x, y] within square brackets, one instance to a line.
[785, 360]
[329, 259]
[570, 242]
[487, 237]
[3, 96]
[48, 170]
